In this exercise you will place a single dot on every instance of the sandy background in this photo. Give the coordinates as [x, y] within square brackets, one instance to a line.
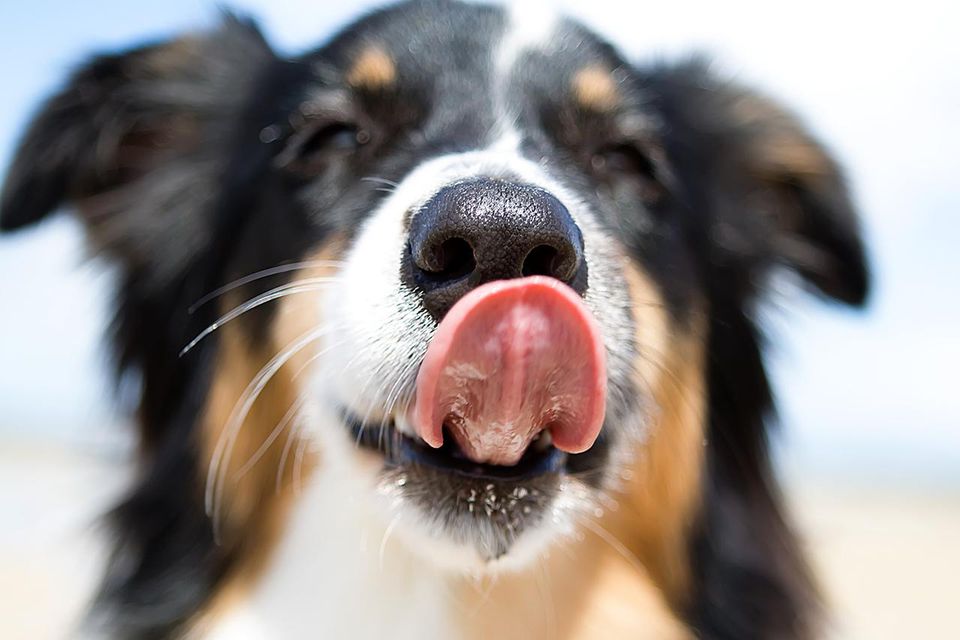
[888, 558]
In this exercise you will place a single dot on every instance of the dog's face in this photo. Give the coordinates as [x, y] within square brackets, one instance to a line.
[465, 153]
[489, 269]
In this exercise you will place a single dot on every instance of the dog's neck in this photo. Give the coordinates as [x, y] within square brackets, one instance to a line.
[338, 572]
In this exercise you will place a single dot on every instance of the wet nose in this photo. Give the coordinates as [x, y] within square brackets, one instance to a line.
[480, 230]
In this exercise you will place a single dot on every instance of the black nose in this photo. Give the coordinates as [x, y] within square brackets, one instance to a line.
[480, 230]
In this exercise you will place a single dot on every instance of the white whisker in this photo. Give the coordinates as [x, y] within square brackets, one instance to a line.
[298, 466]
[546, 596]
[483, 587]
[216, 475]
[615, 543]
[282, 465]
[386, 538]
[393, 396]
[374, 376]
[389, 183]
[299, 286]
[291, 435]
[264, 273]
[270, 439]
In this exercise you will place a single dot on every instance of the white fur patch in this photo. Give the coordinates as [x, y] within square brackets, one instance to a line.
[355, 562]
[340, 573]
[530, 25]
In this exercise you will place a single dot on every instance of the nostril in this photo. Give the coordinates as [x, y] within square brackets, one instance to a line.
[457, 258]
[476, 231]
[542, 260]
[449, 260]
[547, 260]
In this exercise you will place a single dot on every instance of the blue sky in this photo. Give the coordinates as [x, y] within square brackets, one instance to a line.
[872, 392]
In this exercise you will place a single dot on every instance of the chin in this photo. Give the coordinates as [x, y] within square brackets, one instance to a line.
[445, 328]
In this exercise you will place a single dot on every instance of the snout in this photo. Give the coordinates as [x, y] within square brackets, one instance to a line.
[480, 230]
[472, 347]
[516, 354]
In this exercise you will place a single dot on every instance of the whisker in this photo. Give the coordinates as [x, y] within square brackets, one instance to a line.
[374, 375]
[546, 597]
[484, 590]
[282, 465]
[298, 403]
[291, 412]
[298, 466]
[657, 359]
[270, 439]
[389, 403]
[299, 286]
[263, 273]
[597, 529]
[389, 183]
[292, 433]
[386, 537]
[216, 475]
[393, 397]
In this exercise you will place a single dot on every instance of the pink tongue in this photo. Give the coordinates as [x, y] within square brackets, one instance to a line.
[510, 359]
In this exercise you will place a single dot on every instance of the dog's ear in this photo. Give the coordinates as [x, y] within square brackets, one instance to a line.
[135, 128]
[772, 193]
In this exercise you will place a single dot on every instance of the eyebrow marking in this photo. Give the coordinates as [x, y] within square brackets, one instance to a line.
[373, 69]
[594, 88]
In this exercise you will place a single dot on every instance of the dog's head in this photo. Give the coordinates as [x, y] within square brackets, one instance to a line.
[498, 277]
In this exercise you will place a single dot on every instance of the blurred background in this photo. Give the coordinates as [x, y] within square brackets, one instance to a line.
[870, 438]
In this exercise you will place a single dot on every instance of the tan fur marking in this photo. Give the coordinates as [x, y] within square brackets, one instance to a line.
[659, 502]
[584, 590]
[175, 56]
[373, 69]
[255, 511]
[778, 145]
[594, 88]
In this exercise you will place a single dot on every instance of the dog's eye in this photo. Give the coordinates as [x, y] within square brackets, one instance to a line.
[624, 161]
[309, 151]
[334, 138]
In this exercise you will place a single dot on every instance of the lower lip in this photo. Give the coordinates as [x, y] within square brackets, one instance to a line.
[409, 452]
[551, 460]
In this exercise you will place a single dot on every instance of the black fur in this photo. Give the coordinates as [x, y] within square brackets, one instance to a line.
[187, 162]
[158, 149]
[751, 580]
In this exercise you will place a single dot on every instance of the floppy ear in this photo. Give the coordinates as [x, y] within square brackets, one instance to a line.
[128, 141]
[772, 193]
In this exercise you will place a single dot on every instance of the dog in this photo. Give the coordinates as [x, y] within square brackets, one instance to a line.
[445, 329]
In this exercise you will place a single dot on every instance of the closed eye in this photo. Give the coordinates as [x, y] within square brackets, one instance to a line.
[623, 158]
[309, 151]
[628, 162]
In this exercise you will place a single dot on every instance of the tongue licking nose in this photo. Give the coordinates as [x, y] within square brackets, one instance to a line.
[511, 359]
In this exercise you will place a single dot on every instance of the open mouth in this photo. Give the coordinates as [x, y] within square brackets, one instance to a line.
[512, 382]
[400, 450]
[513, 362]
